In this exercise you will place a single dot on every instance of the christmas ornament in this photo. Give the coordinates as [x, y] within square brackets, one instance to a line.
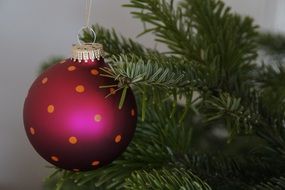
[68, 119]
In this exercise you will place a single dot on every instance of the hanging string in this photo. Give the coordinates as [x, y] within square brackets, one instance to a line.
[88, 12]
[87, 22]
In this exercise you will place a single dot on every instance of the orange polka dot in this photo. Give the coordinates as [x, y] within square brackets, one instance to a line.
[94, 72]
[63, 61]
[112, 91]
[32, 131]
[45, 80]
[71, 68]
[50, 108]
[76, 170]
[55, 158]
[95, 163]
[97, 117]
[133, 113]
[118, 138]
[80, 89]
[72, 140]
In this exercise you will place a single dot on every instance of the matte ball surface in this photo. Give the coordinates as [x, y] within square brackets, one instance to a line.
[71, 123]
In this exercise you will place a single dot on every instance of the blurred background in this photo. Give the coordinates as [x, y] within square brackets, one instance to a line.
[32, 31]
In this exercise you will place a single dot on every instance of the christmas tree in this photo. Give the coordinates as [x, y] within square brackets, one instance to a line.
[211, 116]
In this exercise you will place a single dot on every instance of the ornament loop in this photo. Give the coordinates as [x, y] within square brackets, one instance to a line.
[84, 28]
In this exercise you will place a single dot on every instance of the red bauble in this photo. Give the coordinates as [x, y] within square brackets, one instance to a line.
[69, 120]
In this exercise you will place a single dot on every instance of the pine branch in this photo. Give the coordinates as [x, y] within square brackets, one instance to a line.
[272, 43]
[274, 134]
[157, 78]
[250, 115]
[167, 178]
[272, 184]
[168, 24]
[242, 170]
[227, 42]
[166, 126]
[271, 80]
[232, 111]
[221, 41]
[132, 70]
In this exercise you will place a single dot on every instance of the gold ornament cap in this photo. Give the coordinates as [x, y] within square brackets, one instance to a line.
[87, 52]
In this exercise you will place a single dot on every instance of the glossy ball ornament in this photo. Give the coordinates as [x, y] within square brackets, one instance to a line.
[70, 122]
